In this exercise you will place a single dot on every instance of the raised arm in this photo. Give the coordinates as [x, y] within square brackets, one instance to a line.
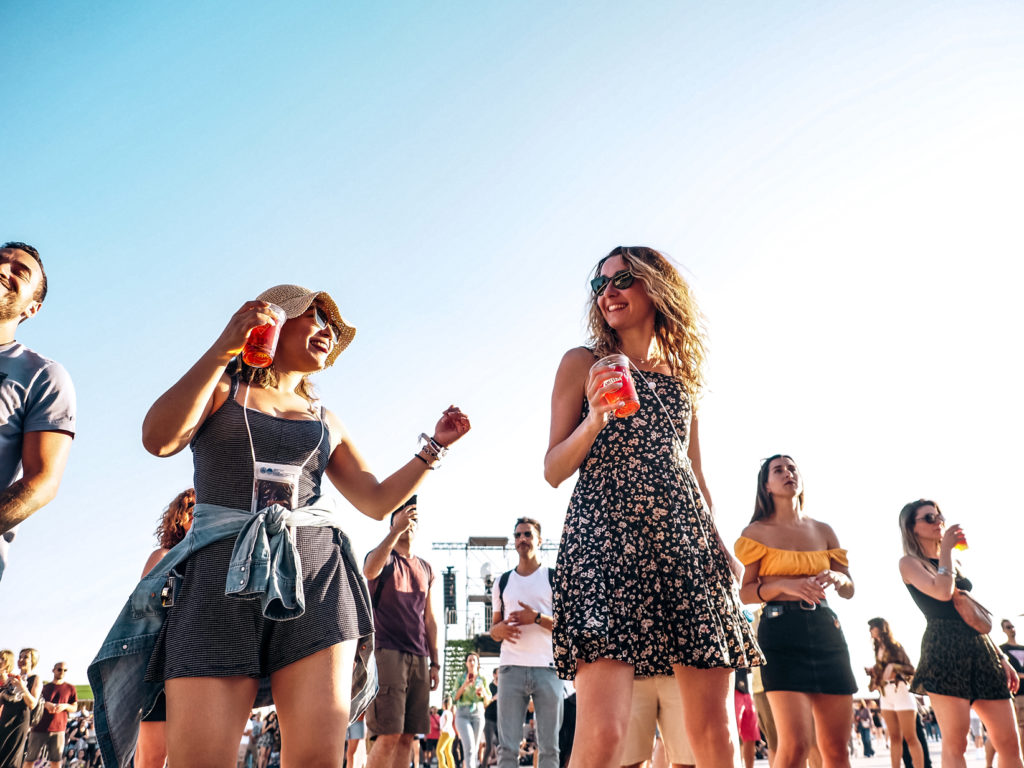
[377, 557]
[572, 435]
[178, 413]
[43, 458]
[378, 498]
[937, 585]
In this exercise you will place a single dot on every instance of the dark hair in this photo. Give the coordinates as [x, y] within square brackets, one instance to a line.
[885, 637]
[41, 289]
[172, 528]
[764, 504]
[267, 377]
[527, 521]
[410, 502]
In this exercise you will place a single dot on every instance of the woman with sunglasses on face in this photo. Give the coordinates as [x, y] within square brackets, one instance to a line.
[889, 676]
[151, 751]
[959, 667]
[790, 561]
[249, 429]
[644, 586]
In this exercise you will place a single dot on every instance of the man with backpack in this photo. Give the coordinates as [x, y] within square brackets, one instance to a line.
[405, 645]
[522, 624]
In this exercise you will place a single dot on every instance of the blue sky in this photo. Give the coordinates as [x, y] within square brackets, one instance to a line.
[840, 182]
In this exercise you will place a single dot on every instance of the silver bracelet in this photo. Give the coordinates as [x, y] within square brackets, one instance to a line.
[942, 570]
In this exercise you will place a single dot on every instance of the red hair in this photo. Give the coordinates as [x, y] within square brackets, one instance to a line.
[176, 519]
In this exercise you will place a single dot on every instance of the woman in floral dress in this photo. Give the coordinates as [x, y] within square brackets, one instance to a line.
[644, 585]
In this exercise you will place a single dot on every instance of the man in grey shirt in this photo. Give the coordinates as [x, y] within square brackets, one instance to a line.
[37, 400]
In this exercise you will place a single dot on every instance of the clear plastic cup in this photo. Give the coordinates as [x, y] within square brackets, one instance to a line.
[625, 395]
[261, 345]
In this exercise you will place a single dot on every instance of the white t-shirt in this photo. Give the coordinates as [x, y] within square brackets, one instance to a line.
[533, 647]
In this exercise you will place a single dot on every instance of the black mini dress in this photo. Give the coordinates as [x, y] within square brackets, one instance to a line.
[209, 634]
[955, 659]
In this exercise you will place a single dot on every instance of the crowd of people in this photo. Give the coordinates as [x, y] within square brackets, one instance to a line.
[255, 593]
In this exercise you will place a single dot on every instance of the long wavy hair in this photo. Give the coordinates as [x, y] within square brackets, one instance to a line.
[267, 377]
[679, 328]
[176, 519]
[764, 504]
[885, 638]
[908, 518]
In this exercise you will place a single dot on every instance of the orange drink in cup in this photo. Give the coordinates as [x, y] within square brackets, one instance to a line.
[625, 395]
[261, 345]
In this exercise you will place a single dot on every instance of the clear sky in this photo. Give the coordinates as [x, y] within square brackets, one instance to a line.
[841, 183]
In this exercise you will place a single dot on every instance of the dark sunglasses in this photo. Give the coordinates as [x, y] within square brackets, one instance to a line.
[523, 534]
[621, 280]
[323, 321]
[931, 518]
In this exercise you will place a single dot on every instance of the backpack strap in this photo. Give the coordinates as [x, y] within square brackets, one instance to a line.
[385, 575]
[503, 582]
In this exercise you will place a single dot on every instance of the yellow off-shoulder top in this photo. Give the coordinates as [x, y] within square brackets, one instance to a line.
[787, 562]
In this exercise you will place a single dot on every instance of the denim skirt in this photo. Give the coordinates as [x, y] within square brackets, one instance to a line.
[805, 650]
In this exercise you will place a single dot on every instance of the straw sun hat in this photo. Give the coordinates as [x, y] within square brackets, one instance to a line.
[294, 300]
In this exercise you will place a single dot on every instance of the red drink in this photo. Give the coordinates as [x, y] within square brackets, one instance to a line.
[261, 345]
[626, 393]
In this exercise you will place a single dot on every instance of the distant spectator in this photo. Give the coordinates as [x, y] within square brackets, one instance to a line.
[59, 699]
[522, 609]
[405, 646]
[18, 698]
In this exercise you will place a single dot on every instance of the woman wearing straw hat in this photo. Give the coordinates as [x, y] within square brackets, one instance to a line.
[245, 425]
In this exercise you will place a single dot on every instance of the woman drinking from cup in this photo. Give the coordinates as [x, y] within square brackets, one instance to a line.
[890, 676]
[644, 585]
[471, 696]
[959, 668]
[262, 445]
[790, 561]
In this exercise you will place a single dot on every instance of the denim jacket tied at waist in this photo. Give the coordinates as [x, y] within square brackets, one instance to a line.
[264, 563]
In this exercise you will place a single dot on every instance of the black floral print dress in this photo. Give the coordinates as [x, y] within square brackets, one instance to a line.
[640, 576]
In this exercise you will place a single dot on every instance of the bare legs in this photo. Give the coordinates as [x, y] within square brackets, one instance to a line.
[604, 690]
[707, 694]
[902, 725]
[803, 719]
[206, 715]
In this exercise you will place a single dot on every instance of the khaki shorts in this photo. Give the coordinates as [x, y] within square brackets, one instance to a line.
[403, 701]
[54, 743]
[656, 700]
[1018, 706]
[765, 720]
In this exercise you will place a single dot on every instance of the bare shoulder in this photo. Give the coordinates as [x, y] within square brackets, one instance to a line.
[220, 393]
[577, 360]
[335, 428]
[824, 530]
[754, 531]
[910, 567]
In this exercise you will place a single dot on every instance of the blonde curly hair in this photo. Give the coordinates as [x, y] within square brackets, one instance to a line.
[679, 330]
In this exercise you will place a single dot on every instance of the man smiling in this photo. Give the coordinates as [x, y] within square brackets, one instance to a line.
[37, 400]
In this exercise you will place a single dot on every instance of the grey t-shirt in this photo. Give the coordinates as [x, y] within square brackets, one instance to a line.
[36, 395]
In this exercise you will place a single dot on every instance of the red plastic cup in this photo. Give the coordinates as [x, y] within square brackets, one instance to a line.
[625, 395]
[261, 345]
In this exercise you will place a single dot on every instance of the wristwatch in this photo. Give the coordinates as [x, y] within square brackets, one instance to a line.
[537, 620]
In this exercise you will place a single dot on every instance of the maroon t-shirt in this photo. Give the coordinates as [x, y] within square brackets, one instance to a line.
[398, 619]
[56, 693]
